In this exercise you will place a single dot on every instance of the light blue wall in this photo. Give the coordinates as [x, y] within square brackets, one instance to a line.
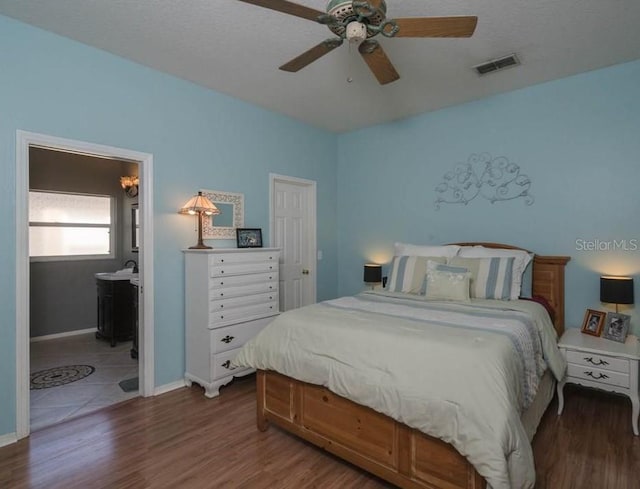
[199, 138]
[577, 139]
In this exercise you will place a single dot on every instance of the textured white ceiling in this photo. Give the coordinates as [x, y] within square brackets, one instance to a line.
[236, 48]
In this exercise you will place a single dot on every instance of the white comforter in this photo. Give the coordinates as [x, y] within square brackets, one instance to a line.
[461, 372]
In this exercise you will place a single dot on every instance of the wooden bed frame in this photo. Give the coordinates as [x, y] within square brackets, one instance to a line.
[387, 448]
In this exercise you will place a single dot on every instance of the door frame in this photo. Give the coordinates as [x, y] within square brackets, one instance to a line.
[24, 140]
[312, 219]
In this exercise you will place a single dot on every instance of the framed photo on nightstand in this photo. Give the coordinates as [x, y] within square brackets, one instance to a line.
[593, 322]
[617, 327]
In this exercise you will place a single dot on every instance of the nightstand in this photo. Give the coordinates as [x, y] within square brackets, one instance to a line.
[602, 364]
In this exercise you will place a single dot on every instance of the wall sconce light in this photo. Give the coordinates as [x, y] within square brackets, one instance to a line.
[199, 205]
[130, 185]
[616, 290]
[372, 274]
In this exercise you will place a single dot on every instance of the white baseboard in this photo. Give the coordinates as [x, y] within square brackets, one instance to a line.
[61, 335]
[8, 439]
[163, 389]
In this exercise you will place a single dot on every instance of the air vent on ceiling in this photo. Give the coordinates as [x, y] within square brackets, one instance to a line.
[497, 64]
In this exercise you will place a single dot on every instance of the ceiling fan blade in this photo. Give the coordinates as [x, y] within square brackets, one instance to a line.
[436, 26]
[311, 55]
[378, 62]
[288, 8]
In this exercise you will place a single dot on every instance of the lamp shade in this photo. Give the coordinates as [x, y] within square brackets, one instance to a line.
[199, 203]
[616, 290]
[372, 273]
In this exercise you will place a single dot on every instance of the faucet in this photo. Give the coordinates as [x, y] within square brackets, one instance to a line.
[135, 265]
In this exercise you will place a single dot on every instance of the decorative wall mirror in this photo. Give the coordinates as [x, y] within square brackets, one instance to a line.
[135, 227]
[223, 225]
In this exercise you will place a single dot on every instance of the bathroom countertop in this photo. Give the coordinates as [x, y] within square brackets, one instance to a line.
[116, 276]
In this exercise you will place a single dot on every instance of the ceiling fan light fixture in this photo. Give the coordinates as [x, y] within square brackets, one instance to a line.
[356, 32]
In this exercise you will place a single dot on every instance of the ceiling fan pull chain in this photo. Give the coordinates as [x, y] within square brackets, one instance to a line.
[349, 77]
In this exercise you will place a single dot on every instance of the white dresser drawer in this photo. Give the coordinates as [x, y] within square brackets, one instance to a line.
[598, 375]
[232, 258]
[231, 316]
[252, 289]
[230, 337]
[221, 364]
[240, 280]
[222, 305]
[243, 268]
[598, 361]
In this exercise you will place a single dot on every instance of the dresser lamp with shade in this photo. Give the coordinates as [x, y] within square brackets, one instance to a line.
[616, 290]
[199, 205]
[372, 274]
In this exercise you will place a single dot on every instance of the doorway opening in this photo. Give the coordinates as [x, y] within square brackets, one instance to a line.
[84, 278]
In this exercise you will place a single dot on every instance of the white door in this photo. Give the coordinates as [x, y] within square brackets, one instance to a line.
[293, 230]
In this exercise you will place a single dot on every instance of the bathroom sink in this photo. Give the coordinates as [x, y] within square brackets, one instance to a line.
[119, 275]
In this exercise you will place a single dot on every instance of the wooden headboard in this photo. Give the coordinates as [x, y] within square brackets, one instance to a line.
[548, 279]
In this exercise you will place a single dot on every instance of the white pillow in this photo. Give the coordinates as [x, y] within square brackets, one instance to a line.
[448, 251]
[522, 259]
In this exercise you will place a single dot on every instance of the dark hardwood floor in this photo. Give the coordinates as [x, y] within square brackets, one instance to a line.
[183, 440]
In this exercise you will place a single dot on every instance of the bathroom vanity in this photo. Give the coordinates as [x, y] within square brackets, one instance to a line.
[116, 314]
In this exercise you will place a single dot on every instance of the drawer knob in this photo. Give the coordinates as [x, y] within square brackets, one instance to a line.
[227, 365]
[592, 362]
[221, 294]
[227, 339]
[221, 271]
[600, 375]
[221, 306]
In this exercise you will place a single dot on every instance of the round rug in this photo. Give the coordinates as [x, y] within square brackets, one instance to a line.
[54, 377]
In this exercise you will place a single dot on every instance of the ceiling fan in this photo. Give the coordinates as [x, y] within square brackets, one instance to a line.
[358, 22]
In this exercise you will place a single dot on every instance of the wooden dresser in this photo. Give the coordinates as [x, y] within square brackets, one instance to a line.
[230, 295]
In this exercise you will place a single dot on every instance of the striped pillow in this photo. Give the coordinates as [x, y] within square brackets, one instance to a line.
[408, 273]
[491, 278]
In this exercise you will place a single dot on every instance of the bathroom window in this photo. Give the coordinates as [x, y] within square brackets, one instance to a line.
[67, 226]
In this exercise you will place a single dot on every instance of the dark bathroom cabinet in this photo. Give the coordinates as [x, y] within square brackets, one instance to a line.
[116, 312]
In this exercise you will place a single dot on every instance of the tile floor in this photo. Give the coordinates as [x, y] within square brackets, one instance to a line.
[100, 389]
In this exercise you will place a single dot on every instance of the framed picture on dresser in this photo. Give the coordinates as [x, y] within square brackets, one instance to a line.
[593, 322]
[617, 327]
[249, 237]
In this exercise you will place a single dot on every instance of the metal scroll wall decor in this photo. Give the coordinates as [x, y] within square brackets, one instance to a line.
[495, 179]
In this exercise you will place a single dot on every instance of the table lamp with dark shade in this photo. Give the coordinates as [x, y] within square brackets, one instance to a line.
[616, 290]
[372, 274]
